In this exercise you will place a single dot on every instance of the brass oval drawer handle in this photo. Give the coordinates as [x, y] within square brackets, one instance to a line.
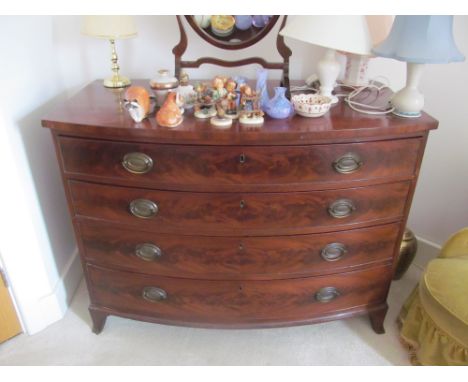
[341, 208]
[143, 208]
[154, 294]
[327, 294]
[148, 251]
[137, 163]
[348, 163]
[333, 251]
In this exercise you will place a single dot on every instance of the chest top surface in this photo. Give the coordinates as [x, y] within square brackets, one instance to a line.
[96, 111]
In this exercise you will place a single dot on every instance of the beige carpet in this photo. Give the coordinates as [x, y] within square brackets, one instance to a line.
[126, 342]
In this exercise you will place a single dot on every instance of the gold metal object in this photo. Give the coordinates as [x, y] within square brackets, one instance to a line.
[327, 294]
[341, 208]
[148, 251]
[143, 208]
[154, 294]
[347, 163]
[333, 251]
[137, 163]
[116, 81]
[408, 249]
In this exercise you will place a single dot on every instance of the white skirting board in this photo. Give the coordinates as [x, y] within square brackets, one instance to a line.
[53, 306]
[427, 250]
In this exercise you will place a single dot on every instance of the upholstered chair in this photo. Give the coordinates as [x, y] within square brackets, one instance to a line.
[434, 319]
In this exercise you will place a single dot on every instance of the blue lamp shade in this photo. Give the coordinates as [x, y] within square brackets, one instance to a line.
[421, 40]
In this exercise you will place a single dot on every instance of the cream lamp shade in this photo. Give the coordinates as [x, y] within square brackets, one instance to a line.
[109, 27]
[343, 33]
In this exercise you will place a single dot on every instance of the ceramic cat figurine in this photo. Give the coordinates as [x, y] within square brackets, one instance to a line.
[169, 115]
[137, 102]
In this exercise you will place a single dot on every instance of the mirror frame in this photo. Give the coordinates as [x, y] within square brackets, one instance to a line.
[229, 45]
[282, 48]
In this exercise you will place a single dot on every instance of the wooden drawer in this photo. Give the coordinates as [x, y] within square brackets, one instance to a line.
[251, 214]
[225, 303]
[237, 168]
[206, 257]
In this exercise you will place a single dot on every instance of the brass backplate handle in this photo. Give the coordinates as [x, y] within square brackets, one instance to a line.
[154, 294]
[348, 163]
[148, 251]
[341, 208]
[137, 163]
[333, 251]
[143, 208]
[327, 294]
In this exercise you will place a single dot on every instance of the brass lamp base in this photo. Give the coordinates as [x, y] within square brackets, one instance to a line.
[117, 81]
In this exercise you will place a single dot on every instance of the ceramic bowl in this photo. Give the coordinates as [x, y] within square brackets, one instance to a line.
[311, 105]
[222, 26]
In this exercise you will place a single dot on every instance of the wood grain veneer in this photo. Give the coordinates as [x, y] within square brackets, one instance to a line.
[243, 214]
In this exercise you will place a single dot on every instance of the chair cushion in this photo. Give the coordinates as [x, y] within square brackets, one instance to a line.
[447, 282]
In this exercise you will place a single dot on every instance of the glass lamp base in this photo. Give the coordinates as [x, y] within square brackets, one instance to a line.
[117, 82]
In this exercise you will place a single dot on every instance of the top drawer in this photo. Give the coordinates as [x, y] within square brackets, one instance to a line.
[238, 168]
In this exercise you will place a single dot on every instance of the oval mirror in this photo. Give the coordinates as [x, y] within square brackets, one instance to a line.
[232, 32]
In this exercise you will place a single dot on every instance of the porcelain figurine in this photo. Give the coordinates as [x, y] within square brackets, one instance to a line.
[186, 91]
[204, 105]
[279, 106]
[232, 99]
[250, 112]
[161, 85]
[169, 114]
[220, 120]
[261, 88]
[137, 102]
[243, 22]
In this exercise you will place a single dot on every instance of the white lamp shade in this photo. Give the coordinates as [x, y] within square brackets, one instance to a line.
[109, 27]
[421, 40]
[344, 33]
[379, 27]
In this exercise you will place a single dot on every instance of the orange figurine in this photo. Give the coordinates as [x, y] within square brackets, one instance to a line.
[169, 115]
[137, 102]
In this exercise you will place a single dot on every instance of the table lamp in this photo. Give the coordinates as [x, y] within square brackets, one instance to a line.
[343, 33]
[357, 64]
[111, 28]
[418, 40]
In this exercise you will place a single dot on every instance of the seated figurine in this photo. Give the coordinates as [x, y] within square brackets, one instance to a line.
[250, 112]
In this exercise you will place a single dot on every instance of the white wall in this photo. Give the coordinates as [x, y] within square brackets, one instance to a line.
[36, 241]
[48, 60]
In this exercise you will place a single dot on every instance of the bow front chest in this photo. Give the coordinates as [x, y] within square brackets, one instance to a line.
[297, 222]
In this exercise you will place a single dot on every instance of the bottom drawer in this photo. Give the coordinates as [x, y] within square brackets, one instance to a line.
[225, 303]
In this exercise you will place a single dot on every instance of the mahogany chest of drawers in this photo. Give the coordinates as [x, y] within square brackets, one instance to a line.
[296, 222]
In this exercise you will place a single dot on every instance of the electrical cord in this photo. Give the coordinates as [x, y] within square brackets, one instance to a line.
[363, 107]
[360, 107]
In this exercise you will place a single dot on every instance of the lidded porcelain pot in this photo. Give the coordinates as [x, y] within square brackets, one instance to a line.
[161, 85]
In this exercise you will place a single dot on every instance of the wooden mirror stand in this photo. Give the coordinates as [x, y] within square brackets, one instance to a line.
[243, 40]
